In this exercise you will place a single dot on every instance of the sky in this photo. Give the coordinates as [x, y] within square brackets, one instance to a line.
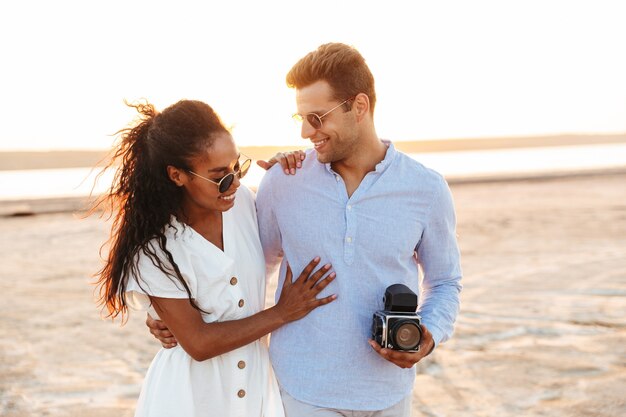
[443, 69]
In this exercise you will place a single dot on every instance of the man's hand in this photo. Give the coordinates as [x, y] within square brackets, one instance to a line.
[289, 161]
[407, 359]
[161, 332]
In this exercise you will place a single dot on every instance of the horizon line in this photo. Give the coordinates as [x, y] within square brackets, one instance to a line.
[615, 135]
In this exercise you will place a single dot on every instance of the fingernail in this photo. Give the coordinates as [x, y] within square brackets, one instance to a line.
[332, 275]
[293, 171]
[299, 165]
[317, 259]
[287, 171]
[327, 266]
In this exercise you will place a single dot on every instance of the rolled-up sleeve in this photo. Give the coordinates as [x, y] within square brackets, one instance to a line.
[439, 257]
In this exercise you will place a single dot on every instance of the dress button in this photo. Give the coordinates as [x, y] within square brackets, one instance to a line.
[241, 393]
[241, 364]
[233, 281]
[241, 303]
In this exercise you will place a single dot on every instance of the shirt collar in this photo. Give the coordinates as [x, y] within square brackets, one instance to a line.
[389, 157]
[382, 165]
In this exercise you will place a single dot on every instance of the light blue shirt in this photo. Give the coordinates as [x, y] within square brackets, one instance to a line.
[400, 218]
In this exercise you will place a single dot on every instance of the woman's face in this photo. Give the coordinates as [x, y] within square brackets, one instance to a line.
[219, 160]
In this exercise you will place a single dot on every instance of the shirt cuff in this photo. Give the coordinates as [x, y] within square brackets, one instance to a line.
[436, 333]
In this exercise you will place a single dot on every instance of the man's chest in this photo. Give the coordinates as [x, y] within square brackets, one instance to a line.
[389, 223]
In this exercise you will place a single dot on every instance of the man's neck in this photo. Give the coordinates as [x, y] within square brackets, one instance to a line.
[356, 167]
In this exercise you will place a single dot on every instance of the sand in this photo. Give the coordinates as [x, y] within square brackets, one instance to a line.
[542, 331]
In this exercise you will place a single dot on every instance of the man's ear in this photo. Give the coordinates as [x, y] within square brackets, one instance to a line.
[176, 175]
[361, 105]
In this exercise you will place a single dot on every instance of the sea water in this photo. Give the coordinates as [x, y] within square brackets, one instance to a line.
[76, 182]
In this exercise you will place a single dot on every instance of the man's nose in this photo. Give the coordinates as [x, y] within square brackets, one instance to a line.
[307, 130]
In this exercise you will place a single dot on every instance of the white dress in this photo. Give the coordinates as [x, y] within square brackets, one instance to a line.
[229, 285]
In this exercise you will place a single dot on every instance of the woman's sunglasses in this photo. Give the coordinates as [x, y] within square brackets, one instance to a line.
[314, 119]
[224, 183]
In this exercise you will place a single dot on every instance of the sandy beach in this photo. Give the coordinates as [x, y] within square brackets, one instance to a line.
[542, 331]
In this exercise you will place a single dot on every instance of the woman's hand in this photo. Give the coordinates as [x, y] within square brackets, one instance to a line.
[299, 298]
[289, 161]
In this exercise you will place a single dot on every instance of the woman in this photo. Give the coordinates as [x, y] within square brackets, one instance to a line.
[185, 246]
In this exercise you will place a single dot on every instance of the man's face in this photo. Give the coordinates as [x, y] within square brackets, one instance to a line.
[336, 139]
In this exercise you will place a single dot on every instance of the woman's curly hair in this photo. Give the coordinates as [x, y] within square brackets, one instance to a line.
[142, 199]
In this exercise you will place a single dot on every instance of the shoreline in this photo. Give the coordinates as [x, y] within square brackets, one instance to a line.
[81, 204]
[30, 160]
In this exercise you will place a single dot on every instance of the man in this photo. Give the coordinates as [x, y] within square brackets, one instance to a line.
[377, 216]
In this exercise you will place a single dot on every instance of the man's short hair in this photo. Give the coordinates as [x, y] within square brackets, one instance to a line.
[341, 66]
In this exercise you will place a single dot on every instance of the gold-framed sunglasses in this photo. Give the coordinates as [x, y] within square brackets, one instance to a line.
[315, 119]
[224, 183]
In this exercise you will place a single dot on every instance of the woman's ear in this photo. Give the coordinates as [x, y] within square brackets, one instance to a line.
[176, 175]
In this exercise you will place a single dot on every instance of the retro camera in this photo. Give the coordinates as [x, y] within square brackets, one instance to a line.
[398, 327]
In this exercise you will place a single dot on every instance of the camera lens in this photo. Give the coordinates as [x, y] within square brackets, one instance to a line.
[406, 335]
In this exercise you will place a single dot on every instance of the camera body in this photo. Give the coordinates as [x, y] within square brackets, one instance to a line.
[398, 327]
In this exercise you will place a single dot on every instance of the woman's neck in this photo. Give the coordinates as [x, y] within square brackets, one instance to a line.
[207, 223]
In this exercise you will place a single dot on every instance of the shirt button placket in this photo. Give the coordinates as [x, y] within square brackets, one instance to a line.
[241, 393]
[241, 364]
[348, 252]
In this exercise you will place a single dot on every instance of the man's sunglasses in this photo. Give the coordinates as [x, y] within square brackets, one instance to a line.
[224, 183]
[314, 119]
